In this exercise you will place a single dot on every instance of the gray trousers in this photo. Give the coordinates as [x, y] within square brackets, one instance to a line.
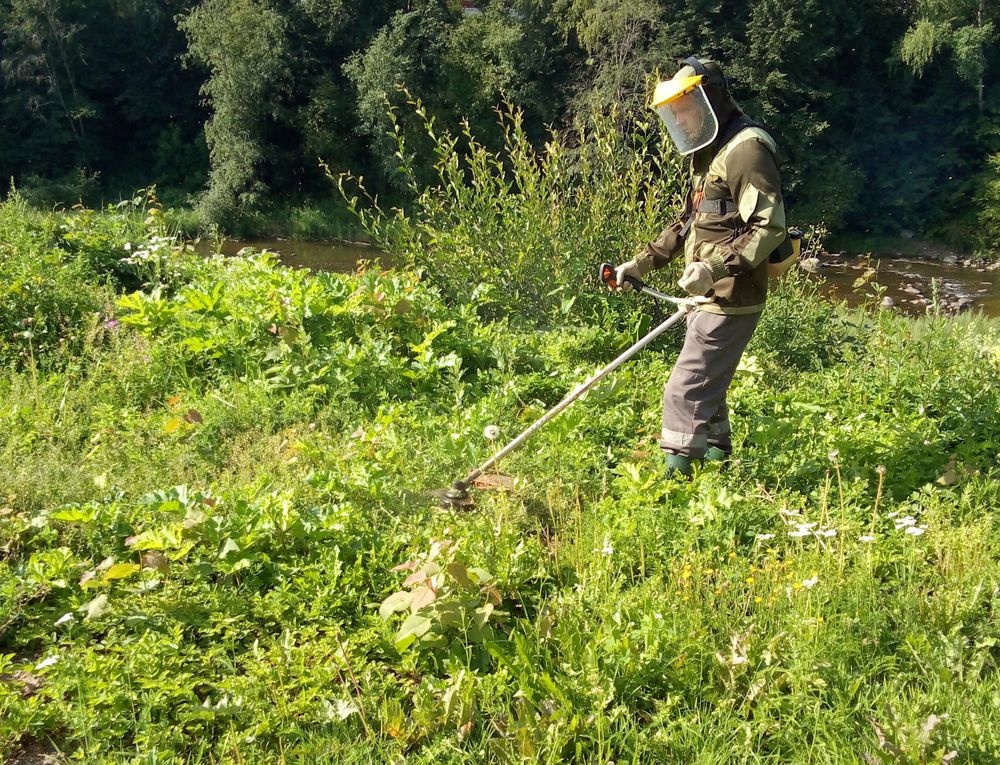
[695, 415]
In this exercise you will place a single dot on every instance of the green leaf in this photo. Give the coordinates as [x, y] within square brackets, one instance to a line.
[121, 571]
[229, 546]
[75, 514]
[414, 627]
[97, 608]
[480, 575]
[398, 601]
[483, 614]
[460, 574]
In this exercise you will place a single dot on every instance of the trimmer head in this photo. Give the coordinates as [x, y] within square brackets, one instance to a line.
[455, 497]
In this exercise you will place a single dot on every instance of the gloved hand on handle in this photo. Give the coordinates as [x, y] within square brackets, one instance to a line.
[696, 279]
[635, 269]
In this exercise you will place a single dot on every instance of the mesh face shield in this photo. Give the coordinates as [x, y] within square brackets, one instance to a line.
[689, 118]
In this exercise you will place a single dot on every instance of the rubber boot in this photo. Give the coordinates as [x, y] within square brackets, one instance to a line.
[715, 454]
[678, 466]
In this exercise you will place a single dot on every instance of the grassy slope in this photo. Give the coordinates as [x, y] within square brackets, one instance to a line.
[202, 507]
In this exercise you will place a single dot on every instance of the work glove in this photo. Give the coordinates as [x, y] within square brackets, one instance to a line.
[634, 269]
[696, 279]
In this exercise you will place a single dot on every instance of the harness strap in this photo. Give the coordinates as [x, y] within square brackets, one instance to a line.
[717, 206]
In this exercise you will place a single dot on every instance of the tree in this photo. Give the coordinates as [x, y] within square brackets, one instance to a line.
[41, 62]
[244, 46]
[966, 27]
[460, 66]
[94, 89]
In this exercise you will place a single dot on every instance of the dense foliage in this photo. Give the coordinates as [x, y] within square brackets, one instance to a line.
[886, 112]
[216, 545]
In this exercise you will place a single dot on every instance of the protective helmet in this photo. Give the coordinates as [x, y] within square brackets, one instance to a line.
[685, 103]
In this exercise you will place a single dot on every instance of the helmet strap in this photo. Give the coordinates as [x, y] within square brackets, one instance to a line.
[699, 68]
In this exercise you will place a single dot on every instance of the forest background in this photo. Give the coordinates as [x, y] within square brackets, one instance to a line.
[886, 110]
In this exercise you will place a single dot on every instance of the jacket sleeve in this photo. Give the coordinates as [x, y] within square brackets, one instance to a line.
[752, 176]
[667, 246]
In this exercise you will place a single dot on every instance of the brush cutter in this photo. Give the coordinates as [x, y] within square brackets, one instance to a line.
[458, 494]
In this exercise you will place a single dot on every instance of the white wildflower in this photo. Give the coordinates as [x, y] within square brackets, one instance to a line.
[827, 533]
[68, 617]
[764, 537]
[906, 523]
[491, 432]
[866, 538]
[916, 531]
[607, 549]
[802, 530]
[810, 582]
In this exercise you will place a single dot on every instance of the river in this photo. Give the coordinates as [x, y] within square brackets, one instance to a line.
[907, 284]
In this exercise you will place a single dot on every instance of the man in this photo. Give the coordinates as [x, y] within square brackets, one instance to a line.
[734, 218]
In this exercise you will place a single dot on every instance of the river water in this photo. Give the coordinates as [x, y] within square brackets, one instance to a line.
[908, 284]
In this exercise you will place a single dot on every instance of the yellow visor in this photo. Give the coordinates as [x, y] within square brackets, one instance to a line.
[669, 90]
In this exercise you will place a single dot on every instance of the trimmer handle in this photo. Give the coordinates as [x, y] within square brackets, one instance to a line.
[607, 274]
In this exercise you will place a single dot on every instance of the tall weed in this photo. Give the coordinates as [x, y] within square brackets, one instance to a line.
[532, 226]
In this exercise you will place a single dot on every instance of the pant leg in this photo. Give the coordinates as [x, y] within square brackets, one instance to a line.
[696, 390]
[719, 429]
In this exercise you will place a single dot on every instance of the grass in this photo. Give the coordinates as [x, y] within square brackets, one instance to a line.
[216, 545]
